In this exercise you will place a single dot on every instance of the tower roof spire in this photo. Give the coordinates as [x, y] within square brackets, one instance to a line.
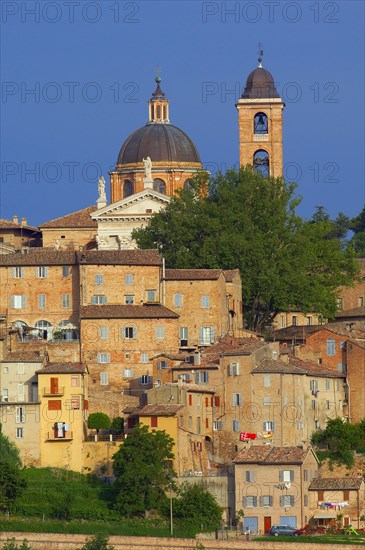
[261, 53]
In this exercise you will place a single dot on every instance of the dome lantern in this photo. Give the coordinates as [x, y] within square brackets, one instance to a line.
[158, 105]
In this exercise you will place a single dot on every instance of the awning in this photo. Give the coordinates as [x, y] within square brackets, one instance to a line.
[325, 516]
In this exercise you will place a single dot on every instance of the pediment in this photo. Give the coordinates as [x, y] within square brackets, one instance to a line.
[140, 204]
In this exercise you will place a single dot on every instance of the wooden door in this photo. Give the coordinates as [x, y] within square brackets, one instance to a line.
[267, 523]
[54, 386]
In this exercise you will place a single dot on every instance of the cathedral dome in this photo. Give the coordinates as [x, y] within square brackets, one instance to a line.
[259, 85]
[162, 142]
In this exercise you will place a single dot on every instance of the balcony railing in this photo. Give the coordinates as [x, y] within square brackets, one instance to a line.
[53, 436]
[52, 392]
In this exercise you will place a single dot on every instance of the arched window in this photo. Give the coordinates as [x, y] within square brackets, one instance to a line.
[68, 331]
[128, 188]
[44, 328]
[261, 163]
[158, 111]
[260, 125]
[159, 185]
[187, 184]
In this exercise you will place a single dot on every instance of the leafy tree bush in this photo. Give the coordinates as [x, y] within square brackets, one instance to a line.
[98, 421]
[12, 481]
[250, 222]
[117, 424]
[97, 542]
[197, 507]
[10, 544]
[340, 438]
[142, 470]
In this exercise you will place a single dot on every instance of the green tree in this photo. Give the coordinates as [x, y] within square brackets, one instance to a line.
[98, 421]
[196, 507]
[357, 225]
[97, 542]
[143, 471]
[249, 222]
[12, 482]
[117, 424]
[341, 438]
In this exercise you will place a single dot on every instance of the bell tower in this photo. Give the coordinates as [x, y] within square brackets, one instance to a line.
[260, 122]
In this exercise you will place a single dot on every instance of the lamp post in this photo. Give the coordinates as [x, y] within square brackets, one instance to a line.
[171, 517]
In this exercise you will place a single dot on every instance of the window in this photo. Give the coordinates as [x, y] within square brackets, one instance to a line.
[20, 369]
[331, 347]
[340, 303]
[42, 301]
[55, 405]
[234, 369]
[18, 301]
[65, 300]
[190, 400]
[328, 405]
[305, 500]
[104, 379]
[286, 501]
[282, 321]
[346, 495]
[260, 124]
[129, 299]
[19, 433]
[160, 332]
[286, 475]
[20, 415]
[236, 426]
[340, 367]
[185, 377]
[18, 272]
[313, 384]
[162, 365]
[217, 425]
[205, 301]
[269, 426]
[190, 422]
[99, 299]
[65, 270]
[300, 425]
[145, 379]
[75, 402]
[6, 370]
[129, 332]
[104, 333]
[103, 357]
[202, 377]
[249, 502]
[183, 336]
[128, 188]
[313, 404]
[266, 500]
[320, 495]
[158, 184]
[20, 392]
[154, 422]
[261, 163]
[249, 476]
[236, 399]
[151, 295]
[216, 401]
[294, 320]
[360, 301]
[144, 357]
[75, 381]
[206, 336]
[266, 400]
[309, 320]
[99, 279]
[5, 396]
[328, 384]
[128, 279]
[267, 381]
[128, 373]
[178, 300]
[41, 272]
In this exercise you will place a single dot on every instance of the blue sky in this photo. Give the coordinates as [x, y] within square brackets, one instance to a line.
[91, 66]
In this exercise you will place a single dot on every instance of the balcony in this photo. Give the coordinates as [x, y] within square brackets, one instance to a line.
[53, 392]
[53, 436]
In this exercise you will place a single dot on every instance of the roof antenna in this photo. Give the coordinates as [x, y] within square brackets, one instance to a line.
[261, 53]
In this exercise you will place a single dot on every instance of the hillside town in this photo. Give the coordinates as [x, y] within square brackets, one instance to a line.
[90, 323]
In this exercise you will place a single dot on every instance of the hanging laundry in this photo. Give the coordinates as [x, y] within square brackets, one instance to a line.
[244, 436]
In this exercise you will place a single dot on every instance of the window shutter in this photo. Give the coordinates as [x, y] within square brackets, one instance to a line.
[217, 401]
[201, 335]
[237, 369]
[291, 500]
[281, 501]
[24, 300]
[197, 378]
[291, 475]
[13, 301]
[212, 338]
[261, 501]
[254, 501]
[281, 475]
[14, 272]
[230, 369]
[190, 399]
[207, 422]
[206, 377]
[207, 402]
[46, 271]
[134, 332]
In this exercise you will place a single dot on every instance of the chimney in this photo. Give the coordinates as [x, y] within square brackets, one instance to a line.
[15, 219]
[24, 221]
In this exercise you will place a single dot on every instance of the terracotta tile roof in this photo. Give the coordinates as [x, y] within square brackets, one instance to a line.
[354, 312]
[80, 218]
[336, 484]
[146, 311]
[296, 366]
[230, 274]
[297, 332]
[192, 274]
[359, 343]
[171, 356]
[120, 257]
[9, 224]
[313, 369]
[347, 329]
[62, 368]
[23, 357]
[264, 454]
[158, 410]
[271, 365]
[39, 256]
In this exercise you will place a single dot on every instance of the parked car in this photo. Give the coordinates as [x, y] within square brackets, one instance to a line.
[280, 530]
